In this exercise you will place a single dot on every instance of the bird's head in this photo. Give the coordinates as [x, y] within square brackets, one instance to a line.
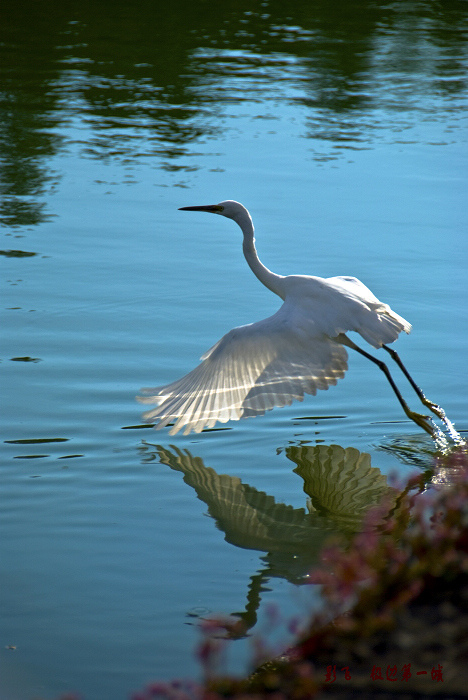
[229, 208]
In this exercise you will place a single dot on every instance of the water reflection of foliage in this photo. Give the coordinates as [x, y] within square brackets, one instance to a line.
[152, 79]
[26, 138]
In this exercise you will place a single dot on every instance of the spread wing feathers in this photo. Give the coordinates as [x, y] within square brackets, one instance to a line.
[251, 370]
[375, 321]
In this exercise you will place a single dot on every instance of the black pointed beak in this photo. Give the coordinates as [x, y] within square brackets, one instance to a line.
[212, 208]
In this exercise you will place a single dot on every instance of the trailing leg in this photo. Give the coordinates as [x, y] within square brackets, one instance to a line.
[422, 421]
[439, 412]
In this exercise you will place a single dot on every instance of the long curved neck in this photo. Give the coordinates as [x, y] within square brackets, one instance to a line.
[267, 277]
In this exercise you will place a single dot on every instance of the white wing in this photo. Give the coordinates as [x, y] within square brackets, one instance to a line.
[251, 370]
[336, 305]
[375, 321]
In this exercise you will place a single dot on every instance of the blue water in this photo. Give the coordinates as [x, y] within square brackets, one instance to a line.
[107, 558]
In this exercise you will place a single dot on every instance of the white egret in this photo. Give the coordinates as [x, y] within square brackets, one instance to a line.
[273, 362]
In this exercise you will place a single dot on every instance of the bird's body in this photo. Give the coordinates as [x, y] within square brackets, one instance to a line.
[335, 305]
[272, 362]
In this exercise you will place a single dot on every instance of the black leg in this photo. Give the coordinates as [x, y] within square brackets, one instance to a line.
[422, 421]
[439, 412]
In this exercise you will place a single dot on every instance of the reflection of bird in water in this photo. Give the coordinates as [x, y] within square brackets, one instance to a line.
[294, 352]
[341, 485]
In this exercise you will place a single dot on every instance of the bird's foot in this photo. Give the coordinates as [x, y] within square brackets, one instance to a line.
[440, 413]
[427, 424]
[424, 422]
[435, 408]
